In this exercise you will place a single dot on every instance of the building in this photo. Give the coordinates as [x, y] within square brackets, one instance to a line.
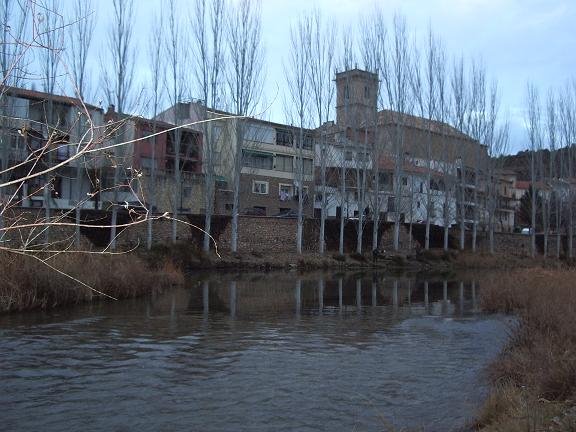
[145, 150]
[270, 154]
[39, 131]
[362, 135]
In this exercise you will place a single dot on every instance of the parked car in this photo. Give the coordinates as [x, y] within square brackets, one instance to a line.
[526, 231]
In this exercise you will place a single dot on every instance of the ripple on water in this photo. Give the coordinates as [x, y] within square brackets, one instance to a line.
[146, 366]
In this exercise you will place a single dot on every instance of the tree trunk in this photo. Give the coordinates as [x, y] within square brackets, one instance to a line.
[237, 172]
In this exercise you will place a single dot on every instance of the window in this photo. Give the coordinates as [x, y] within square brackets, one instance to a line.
[421, 187]
[284, 137]
[147, 163]
[366, 92]
[187, 192]
[260, 187]
[418, 204]
[391, 204]
[285, 191]
[284, 163]
[308, 143]
[405, 181]
[348, 155]
[259, 160]
[347, 91]
[307, 166]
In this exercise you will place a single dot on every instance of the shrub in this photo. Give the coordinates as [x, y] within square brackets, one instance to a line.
[540, 358]
[27, 283]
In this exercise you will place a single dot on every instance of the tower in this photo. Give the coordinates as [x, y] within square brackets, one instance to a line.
[356, 97]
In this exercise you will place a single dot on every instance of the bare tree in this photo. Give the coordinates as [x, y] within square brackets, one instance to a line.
[533, 123]
[208, 29]
[51, 37]
[566, 135]
[80, 39]
[14, 16]
[321, 56]
[424, 88]
[554, 169]
[459, 116]
[477, 129]
[118, 74]
[346, 62]
[176, 54]
[156, 78]
[395, 69]
[297, 76]
[244, 77]
[371, 51]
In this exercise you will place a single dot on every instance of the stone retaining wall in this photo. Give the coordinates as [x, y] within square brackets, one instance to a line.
[255, 234]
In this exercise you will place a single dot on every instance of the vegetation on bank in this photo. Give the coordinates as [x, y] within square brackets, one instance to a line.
[534, 378]
[27, 283]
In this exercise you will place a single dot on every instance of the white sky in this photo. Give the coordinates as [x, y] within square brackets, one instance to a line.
[518, 40]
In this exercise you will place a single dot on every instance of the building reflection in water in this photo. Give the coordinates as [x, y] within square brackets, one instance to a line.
[240, 296]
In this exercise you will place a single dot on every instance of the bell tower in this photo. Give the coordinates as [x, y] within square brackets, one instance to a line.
[356, 97]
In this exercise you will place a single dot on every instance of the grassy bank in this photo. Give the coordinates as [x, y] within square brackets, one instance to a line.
[27, 283]
[534, 378]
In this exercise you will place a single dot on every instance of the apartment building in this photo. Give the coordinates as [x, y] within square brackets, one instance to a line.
[40, 130]
[269, 160]
[152, 144]
[348, 149]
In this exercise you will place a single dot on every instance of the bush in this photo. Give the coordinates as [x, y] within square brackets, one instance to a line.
[540, 359]
[27, 283]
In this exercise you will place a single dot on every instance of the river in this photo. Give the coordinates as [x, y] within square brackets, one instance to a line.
[255, 352]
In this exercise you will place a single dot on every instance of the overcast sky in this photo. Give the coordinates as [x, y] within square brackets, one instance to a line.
[518, 40]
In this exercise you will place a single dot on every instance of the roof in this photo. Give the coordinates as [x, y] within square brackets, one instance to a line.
[437, 127]
[252, 119]
[41, 96]
[388, 164]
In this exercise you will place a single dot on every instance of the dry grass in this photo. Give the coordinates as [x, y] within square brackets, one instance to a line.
[28, 284]
[535, 377]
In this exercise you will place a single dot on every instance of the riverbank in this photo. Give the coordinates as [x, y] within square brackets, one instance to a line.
[534, 378]
[28, 283]
[75, 277]
[432, 261]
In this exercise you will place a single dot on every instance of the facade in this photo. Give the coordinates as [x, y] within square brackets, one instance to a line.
[137, 158]
[269, 161]
[40, 130]
[361, 144]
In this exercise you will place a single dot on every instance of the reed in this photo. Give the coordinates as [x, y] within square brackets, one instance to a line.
[534, 378]
[27, 283]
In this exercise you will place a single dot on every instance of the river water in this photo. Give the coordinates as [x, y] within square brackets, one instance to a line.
[255, 352]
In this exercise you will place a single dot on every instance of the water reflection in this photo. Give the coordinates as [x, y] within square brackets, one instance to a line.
[280, 352]
[243, 297]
